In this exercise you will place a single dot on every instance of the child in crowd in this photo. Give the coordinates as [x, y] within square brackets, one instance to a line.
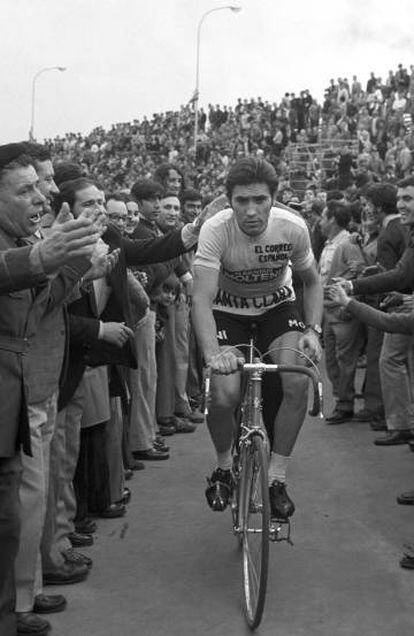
[163, 298]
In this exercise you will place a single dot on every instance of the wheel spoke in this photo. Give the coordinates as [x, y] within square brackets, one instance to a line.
[252, 569]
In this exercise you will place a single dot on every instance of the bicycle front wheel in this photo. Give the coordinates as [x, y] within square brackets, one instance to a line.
[255, 521]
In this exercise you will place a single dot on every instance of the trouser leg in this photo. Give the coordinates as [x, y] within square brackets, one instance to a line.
[51, 556]
[181, 357]
[165, 400]
[113, 443]
[143, 382]
[66, 508]
[396, 380]
[331, 362]
[10, 474]
[33, 497]
[373, 393]
[348, 343]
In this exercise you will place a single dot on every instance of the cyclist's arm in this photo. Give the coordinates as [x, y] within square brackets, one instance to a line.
[204, 291]
[205, 288]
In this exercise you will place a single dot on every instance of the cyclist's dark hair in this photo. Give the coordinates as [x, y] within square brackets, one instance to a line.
[251, 170]
[146, 189]
[339, 211]
[383, 196]
[406, 182]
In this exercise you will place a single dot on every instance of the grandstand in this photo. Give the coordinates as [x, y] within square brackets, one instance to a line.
[303, 139]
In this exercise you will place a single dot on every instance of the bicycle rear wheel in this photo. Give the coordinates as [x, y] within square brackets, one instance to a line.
[255, 520]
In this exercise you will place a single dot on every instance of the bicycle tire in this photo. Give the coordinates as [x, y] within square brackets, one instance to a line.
[255, 522]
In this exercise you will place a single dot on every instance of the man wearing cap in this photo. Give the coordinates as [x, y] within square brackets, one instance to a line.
[26, 293]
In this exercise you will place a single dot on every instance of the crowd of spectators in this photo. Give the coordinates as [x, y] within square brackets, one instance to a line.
[373, 120]
[95, 353]
[99, 362]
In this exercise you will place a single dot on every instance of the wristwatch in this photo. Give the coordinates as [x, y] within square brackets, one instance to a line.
[315, 328]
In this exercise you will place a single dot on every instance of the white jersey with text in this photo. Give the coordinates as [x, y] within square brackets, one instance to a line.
[255, 272]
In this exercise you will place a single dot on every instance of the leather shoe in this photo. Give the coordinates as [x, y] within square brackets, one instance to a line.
[66, 574]
[407, 562]
[183, 425]
[281, 505]
[406, 498]
[29, 623]
[394, 438]
[411, 444]
[378, 425]
[113, 511]
[86, 526]
[137, 465]
[160, 446]
[128, 474]
[49, 603]
[79, 540]
[150, 455]
[126, 497]
[167, 428]
[73, 556]
[339, 417]
[364, 415]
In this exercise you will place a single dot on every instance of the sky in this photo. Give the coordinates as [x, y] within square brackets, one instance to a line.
[128, 58]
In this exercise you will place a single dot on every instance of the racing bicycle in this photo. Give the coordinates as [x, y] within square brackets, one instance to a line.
[250, 506]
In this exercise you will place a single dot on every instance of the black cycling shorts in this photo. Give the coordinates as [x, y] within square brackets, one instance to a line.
[233, 329]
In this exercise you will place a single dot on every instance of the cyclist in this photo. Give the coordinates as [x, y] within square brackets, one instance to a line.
[243, 274]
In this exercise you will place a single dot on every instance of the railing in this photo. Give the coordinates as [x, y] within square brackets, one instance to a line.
[305, 159]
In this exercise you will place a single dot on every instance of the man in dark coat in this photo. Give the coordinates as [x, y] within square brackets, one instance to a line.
[26, 293]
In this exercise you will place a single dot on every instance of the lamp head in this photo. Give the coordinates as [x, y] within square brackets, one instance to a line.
[61, 68]
[235, 9]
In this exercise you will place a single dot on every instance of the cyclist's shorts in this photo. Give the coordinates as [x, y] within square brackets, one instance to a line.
[234, 329]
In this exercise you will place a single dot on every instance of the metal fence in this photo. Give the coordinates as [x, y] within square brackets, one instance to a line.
[305, 160]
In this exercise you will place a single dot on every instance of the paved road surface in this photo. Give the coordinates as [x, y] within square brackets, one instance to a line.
[171, 567]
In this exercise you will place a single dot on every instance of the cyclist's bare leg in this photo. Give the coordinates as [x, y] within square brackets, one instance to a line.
[225, 396]
[292, 411]
[287, 425]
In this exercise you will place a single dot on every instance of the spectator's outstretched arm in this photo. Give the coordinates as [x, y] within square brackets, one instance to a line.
[399, 278]
[153, 250]
[394, 323]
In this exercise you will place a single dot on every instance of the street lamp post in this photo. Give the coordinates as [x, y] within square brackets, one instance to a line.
[234, 9]
[42, 70]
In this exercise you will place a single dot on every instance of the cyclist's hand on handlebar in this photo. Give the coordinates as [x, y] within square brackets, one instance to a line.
[225, 363]
[310, 345]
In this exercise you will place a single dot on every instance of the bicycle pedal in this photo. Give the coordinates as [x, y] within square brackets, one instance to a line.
[279, 530]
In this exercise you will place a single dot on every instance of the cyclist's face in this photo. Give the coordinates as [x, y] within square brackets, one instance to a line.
[251, 205]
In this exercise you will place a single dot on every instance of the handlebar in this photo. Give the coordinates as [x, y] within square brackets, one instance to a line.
[261, 367]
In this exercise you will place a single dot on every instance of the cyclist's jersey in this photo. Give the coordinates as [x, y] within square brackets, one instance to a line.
[255, 272]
